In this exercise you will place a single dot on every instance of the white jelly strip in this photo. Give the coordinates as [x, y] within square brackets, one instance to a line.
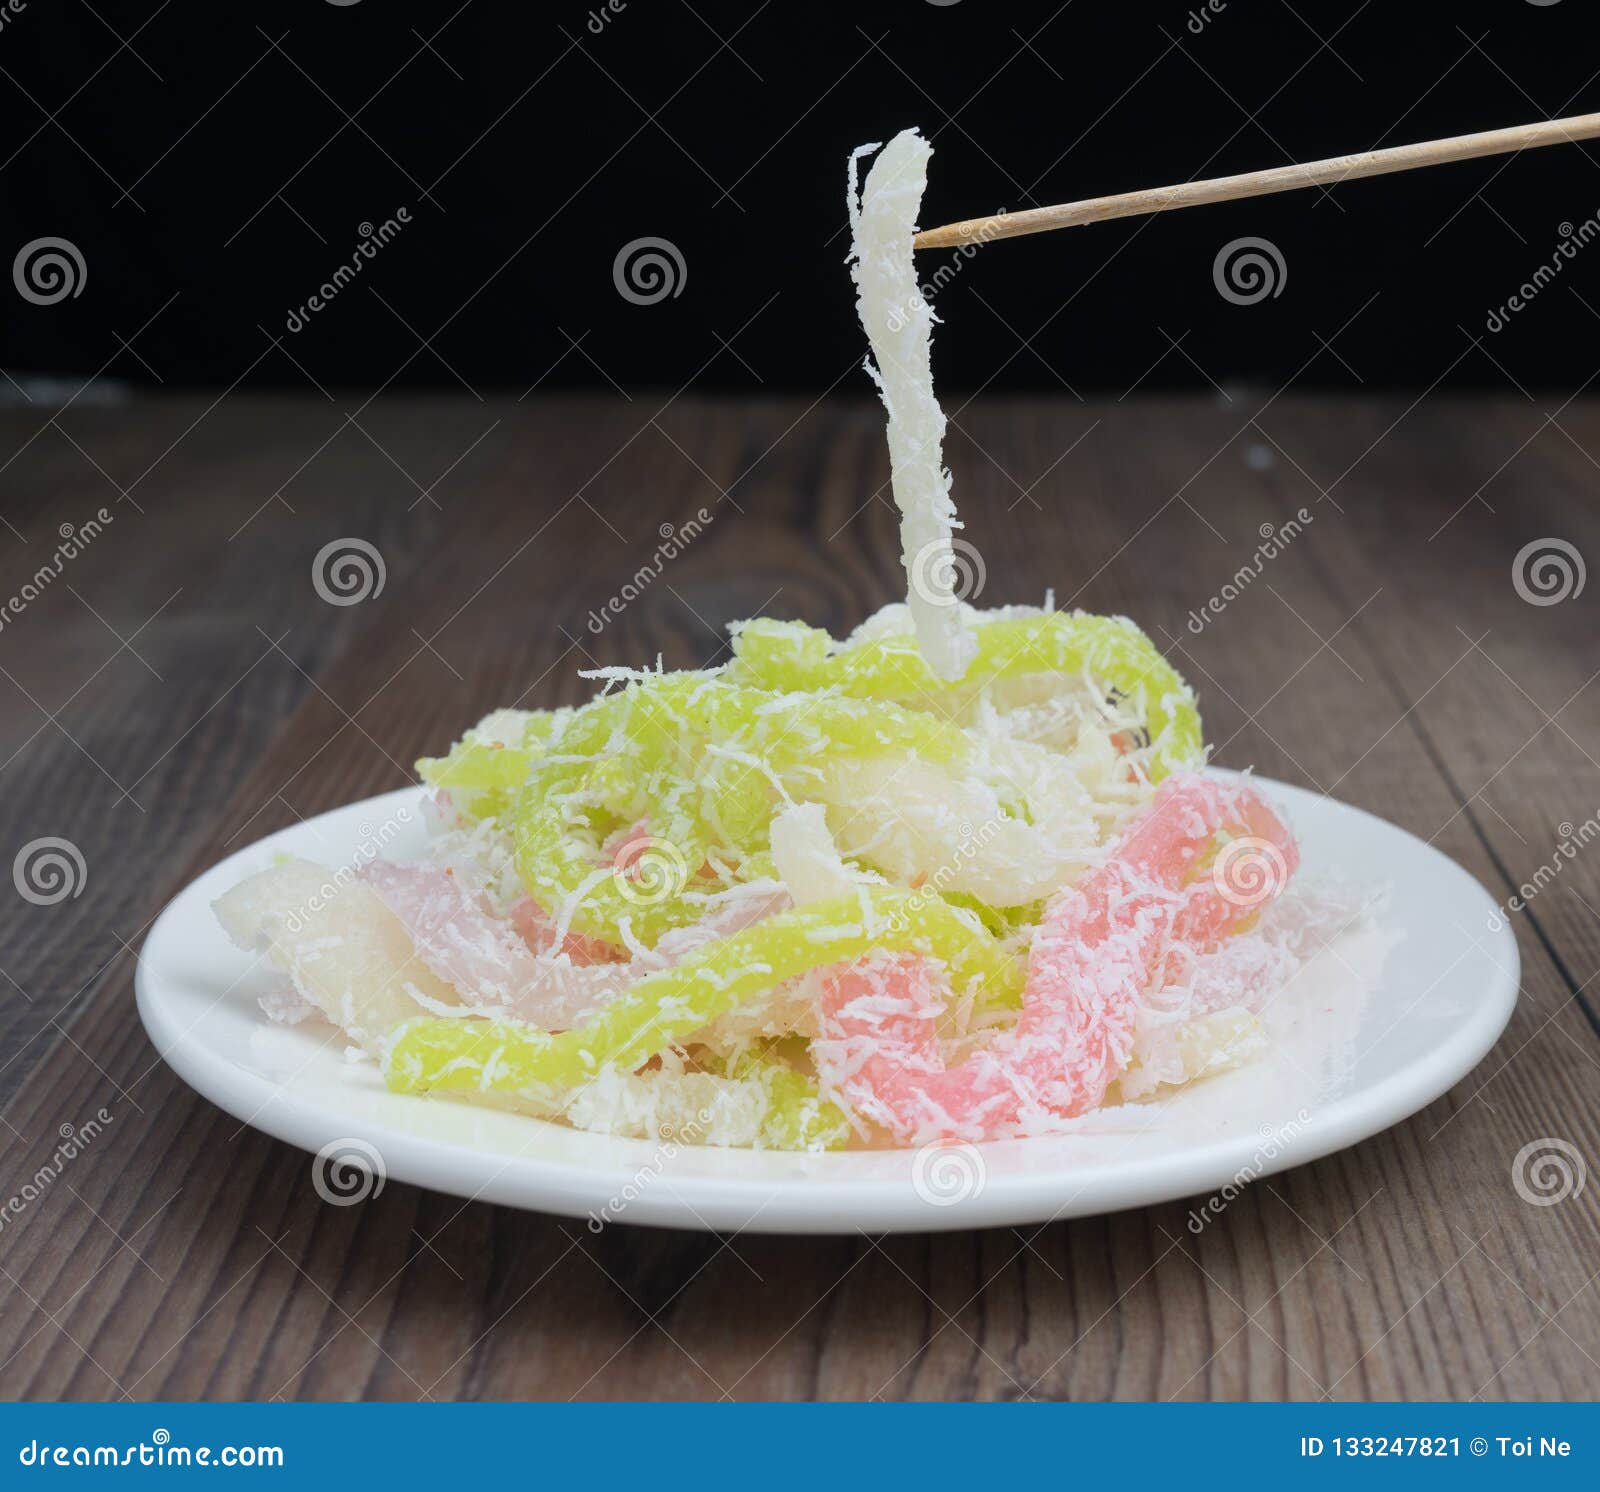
[899, 326]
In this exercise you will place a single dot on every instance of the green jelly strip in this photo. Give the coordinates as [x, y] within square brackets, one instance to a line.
[562, 816]
[792, 656]
[473, 764]
[616, 762]
[484, 777]
[641, 754]
[670, 1005]
[798, 1117]
[797, 1114]
[794, 1116]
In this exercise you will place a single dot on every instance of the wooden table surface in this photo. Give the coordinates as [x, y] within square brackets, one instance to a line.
[179, 689]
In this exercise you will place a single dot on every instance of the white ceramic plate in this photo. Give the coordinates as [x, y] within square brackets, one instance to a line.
[1374, 1029]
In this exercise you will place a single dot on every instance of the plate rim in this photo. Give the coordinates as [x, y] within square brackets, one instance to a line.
[808, 1203]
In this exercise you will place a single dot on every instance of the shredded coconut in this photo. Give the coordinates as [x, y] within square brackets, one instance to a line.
[899, 327]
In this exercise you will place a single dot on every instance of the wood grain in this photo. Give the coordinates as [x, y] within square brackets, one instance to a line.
[184, 1256]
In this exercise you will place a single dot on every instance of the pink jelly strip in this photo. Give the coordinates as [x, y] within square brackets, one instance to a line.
[1092, 958]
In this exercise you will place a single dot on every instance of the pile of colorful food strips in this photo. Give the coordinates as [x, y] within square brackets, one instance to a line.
[962, 875]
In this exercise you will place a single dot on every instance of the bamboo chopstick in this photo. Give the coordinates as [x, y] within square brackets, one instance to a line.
[1261, 183]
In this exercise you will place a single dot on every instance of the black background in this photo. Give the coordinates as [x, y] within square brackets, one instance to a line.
[215, 170]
